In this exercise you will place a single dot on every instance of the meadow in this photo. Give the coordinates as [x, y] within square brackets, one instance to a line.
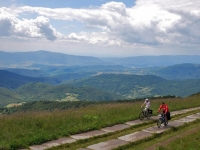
[21, 130]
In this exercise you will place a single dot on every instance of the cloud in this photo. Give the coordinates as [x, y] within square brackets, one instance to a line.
[5, 23]
[94, 38]
[40, 27]
[151, 22]
[45, 28]
[176, 22]
[5, 27]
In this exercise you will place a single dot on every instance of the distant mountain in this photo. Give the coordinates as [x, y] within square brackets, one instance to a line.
[104, 87]
[26, 59]
[45, 92]
[37, 91]
[43, 58]
[60, 74]
[136, 86]
[50, 71]
[97, 82]
[57, 74]
[179, 72]
[29, 72]
[152, 61]
[12, 80]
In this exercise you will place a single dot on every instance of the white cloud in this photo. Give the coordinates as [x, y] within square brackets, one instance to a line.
[94, 38]
[45, 28]
[40, 27]
[148, 23]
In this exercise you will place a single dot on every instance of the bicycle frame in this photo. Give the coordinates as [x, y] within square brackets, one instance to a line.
[144, 114]
[161, 120]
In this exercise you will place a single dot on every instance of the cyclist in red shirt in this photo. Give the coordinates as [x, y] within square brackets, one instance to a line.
[164, 108]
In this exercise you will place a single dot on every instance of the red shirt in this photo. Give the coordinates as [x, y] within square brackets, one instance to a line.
[164, 107]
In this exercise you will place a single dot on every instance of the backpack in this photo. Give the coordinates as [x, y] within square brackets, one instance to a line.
[168, 115]
[150, 111]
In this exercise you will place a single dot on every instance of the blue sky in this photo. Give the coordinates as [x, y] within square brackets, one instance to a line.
[62, 3]
[101, 28]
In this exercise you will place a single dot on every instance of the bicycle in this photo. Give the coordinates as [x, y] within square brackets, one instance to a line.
[145, 113]
[162, 120]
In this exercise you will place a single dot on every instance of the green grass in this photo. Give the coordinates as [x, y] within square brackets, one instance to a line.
[20, 130]
[189, 142]
[142, 144]
[174, 139]
[23, 129]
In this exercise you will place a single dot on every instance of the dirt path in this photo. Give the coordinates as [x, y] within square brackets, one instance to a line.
[191, 131]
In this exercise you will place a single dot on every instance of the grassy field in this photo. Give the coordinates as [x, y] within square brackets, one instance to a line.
[23, 129]
[189, 141]
[185, 137]
[144, 144]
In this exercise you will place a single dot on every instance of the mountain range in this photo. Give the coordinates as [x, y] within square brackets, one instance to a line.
[27, 59]
[30, 59]
[42, 75]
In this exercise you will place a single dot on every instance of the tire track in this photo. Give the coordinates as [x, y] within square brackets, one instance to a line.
[191, 131]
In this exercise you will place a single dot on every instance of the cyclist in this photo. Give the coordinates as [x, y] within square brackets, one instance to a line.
[164, 108]
[147, 102]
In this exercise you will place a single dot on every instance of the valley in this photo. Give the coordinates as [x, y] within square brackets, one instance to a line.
[47, 76]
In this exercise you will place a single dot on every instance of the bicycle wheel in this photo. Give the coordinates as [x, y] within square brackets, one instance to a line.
[148, 115]
[141, 116]
[159, 122]
[166, 122]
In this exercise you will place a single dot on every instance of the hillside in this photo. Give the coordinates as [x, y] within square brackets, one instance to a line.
[179, 72]
[94, 83]
[104, 87]
[135, 86]
[26, 59]
[154, 61]
[41, 91]
[12, 80]
[28, 72]
[175, 72]
[8, 96]
[49, 106]
[37, 91]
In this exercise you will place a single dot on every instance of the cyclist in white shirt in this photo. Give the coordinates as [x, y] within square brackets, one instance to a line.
[147, 102]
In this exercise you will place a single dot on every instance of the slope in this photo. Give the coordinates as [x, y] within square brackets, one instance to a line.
[179, 72]
[12, 80]
[8, 96]
[25, 59]
[41, 91]
[135, 86]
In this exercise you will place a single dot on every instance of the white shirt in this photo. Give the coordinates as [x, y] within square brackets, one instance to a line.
[147, 104]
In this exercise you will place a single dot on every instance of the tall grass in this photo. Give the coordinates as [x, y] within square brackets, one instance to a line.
[189, 142]
[20, 130]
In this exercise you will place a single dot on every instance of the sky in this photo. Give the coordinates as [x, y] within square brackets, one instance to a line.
[101, 28]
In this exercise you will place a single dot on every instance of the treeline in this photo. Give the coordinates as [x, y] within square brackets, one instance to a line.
[58, 105]
[37, 91]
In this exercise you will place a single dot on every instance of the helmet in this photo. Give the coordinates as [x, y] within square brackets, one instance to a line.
[146, 99]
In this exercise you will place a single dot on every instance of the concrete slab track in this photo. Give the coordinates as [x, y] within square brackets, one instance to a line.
[114, 143]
